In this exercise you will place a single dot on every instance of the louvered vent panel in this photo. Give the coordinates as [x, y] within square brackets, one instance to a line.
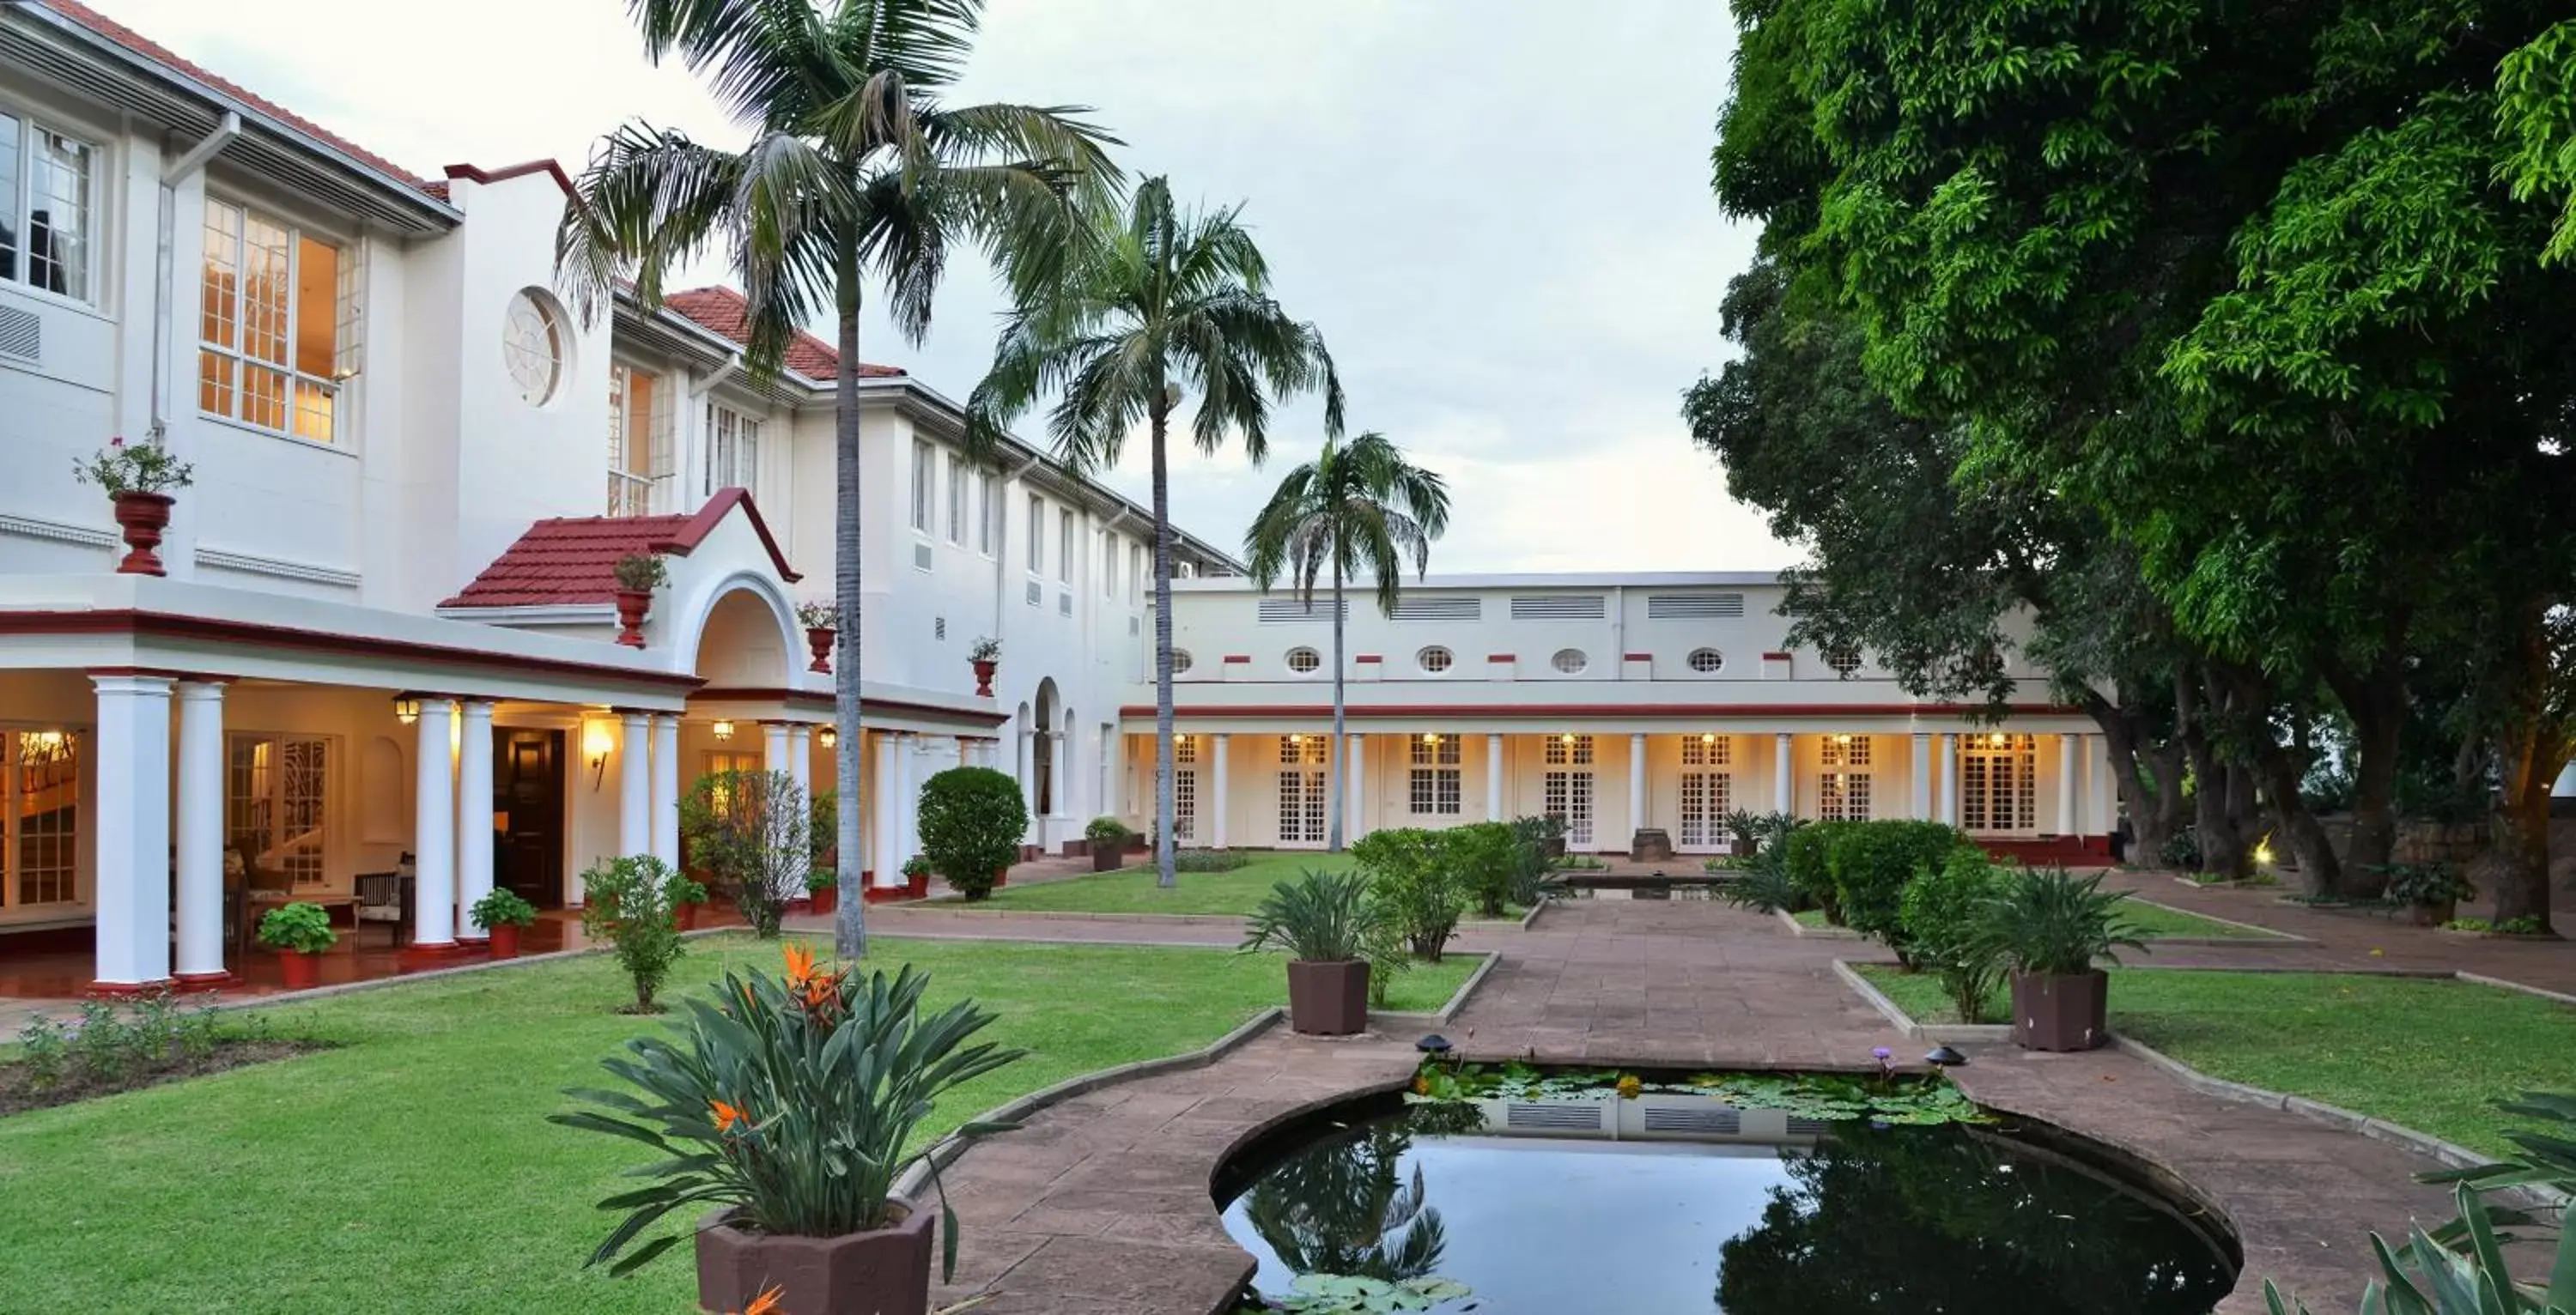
[1805, 1127]
[1554, 607]
[1712, 1119]
[1289, 611]
[22, 335]
[1064, 604]
[1555, 1114]
[921, 556]
[1037, 593]
[1134, 626]
[1694, 607]
[1439, 609]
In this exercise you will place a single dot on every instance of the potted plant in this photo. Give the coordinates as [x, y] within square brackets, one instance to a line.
[502, 914]
[822, 622]
[2430, 892]
[972, 819]
[2050, 929]
[687, 896]
[638, 575]
[756, 1104]
[136, 479]
[1743, 833]
[1326, 922]
[299, 932]
[1109, 839]
[823, 888]
[986, 654]
[916, 878]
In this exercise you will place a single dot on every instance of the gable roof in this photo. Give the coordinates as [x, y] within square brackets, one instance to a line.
[160, 54]
[724, 310]
[572, 560]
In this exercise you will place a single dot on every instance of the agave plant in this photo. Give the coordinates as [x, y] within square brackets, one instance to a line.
[1322, 917]
[793, 1099]
[2426, 1278]
[2049, 923]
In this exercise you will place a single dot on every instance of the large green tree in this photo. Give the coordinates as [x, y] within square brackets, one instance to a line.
[857, 172]
[1358, 506]
[1162, 313]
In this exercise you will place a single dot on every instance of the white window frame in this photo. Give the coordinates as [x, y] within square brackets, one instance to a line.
[957, 499]
[635, 492]
[1999, 784]
[989, 512]
[925, 484]
[1139, 564]
[1037, 535]
[349, 258]
[17, 271]
[1843, 787]
[1109, 563]
[60, 750]
[1433, 787]
[1064, 542]
[310, 870]
[733, 450]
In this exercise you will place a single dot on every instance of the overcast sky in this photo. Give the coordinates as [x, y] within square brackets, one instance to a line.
[1497, 212]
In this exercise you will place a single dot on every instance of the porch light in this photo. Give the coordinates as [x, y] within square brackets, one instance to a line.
[1567, 738]
[406, 708]
[1707, 737]
[1998, 738]
[831, 736]
[1842, 739]
[41, 747]
[1296, 739]
[723, 729]
[595, 745]
[1431, 739]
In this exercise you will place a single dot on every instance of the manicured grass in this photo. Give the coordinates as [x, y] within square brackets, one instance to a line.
[2155, 921]
[1811, 918]
[2432, 1055]
[1132, 890]
[412, 1168]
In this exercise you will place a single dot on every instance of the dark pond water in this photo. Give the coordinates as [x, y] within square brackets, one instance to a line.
[1853, 1218]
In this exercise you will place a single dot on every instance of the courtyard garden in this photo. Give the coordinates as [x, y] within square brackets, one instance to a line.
[1201, 887]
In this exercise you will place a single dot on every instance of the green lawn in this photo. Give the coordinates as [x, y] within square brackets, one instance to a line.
[1814, 918]
[412, 1169]
[2155, 921]
[1132, 890]
[2430, 1054]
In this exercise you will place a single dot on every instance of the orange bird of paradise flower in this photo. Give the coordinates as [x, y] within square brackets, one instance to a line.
[800, 965]
[765, 1304]
[726, 1115]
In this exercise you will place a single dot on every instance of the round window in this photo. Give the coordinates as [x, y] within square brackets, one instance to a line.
[1435, 659]
[532, 345]
[1304, 661]
[1180, 661]
[1707, 661]
[1844, 661]
[1570, 661]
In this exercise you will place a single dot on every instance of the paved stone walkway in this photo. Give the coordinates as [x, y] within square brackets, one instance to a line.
[1101, 1205]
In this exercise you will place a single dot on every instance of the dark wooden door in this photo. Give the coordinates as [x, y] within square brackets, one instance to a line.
[528, 812]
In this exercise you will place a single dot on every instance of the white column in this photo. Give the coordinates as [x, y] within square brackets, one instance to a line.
[1950, 779]
[1636, 783]
[1216, 831]
[473, 815]
[2101, 798]
[433, 841]
[201, 835]
[635, 784]
[666, 788]
[2070, 815]
[1493, 778]
[132, 894]
[1922, 778]
[800, 757]
[889, 834]
[1059, 775]
[773, 748]
[1784, 781]
[1355, 798]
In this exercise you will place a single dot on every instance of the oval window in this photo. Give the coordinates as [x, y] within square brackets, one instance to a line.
[1435, 659]
[1571, 661]
[1304, 661]
[1180, 661]
[1707, 661]
[532, 345]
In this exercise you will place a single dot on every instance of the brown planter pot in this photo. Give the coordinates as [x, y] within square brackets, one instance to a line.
[918, 885]
[143, 516]
[1001, 877]
[827, 900]
[984, 679]
[1328, 998]
[684, 916]
[632, 604]
[505, 940]
[2061, 1013]
[1553, 847]
[1108, 855]
[1744, 846]
[882, 1272]
[2433, 915]
[819, 640]
[303, 971]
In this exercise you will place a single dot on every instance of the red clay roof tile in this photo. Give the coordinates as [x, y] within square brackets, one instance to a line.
[722, 309]
[573, 560]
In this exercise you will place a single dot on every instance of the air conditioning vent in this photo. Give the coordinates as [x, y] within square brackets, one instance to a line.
[1037, 593]
[1439, 609]
[1694, 607]
[1713, 1120]
[1560, 1115]
[22, 335]
[1064, 604]
[1805, 1127]
[921, 557]
[1290, 611]
[1560, 607]
[939, 627]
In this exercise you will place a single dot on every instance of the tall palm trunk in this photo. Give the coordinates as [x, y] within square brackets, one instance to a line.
[849, 930]
[1341, 742]
[1163, 869]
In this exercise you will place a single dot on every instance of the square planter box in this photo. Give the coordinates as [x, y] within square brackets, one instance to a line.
[2061, 1013]
[884, 1272]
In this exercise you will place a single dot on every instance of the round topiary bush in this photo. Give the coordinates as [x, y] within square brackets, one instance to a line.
[972, 819]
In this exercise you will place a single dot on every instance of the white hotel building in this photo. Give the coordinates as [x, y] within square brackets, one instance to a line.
[386, 630]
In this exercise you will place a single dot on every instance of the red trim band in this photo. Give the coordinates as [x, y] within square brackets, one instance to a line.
[1369, 657]
[135, 623]
[1238, 657]
[1501, 657]
[1608, 711]
[1641, 657]
[507, 172]
[121, 990]
[206, 981]
[1775, 657]
[813, 699]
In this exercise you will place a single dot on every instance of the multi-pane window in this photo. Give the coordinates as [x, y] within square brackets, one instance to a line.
[733, 450]
[277, 794]
[1037, 535]
[1108, 564]
[274, 330]
[1136, 574]
[988, 510]
[40, 830]
[1064, 544]
[1304, 661]
[1844, 661]
[1569, 751]
[925, 480]
[1185, 788]
[1567, 795]
[1433, 788]
[1843, 787]
[1301, 790]
[1705, 795]
[46, 209]
[639, 439]
[957, 500]
[1999, 783]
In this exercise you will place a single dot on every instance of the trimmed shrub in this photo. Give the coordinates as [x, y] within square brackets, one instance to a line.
[627, 902]
[1488, 859]
[972, 819]
[1414, 886]
[1871, 863]
[1806, 860]
[1944, 912]
[748, 830]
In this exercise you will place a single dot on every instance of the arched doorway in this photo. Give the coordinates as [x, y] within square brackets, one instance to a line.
[1044, 739]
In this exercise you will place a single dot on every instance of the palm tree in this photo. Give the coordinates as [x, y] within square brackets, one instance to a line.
[855, 171]
[1159, 305]
[1360, 505]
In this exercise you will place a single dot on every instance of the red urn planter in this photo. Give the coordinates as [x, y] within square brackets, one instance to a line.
[632, 604]
[505, 939]
[143, 516]
[827, 900]
[1108, 855]
[684, 916]
[819, 639]
[917, 885]
[303, 971]
[1328, 998]
[2061, 1013]
[984, 678]
[885, 1271]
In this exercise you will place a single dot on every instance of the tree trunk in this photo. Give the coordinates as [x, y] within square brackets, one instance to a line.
[2151, 807]
[2248, 697]
[1165, 875]
[849, 928]
[2377, 706]
[1341, 743]
[2222, 845]
[2531, 748]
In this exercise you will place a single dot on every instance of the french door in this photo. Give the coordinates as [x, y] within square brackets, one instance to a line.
[1998, 783]
[1703, 811]
[1301, 789]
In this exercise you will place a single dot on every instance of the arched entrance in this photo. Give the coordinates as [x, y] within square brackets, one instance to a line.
[1044, 742]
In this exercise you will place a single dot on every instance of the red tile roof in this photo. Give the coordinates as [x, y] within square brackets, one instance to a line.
[722, 309]
[573, 560]
[167, 58]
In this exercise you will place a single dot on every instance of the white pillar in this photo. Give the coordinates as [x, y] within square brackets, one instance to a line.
[889, 833]
[2070, 805]
[635, 785]
[1216, 829]
[473, 815]
[1355, 798]
[132, 893]
[773, 748]
[434, 831]
[666, 789]
[1784, 781]
[1493, 778]
[1059, 775]
[201, 835]
[1922, 777]
[1950, 779]
[2101, 798]
[1636, 783]
[800, 757]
